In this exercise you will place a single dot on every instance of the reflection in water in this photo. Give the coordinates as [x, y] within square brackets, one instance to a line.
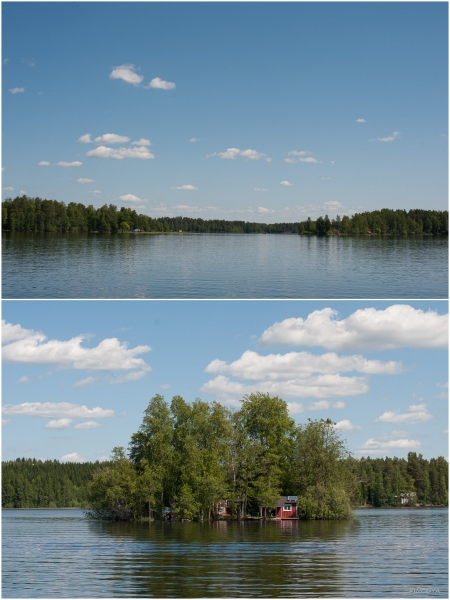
[51, 265]
[380, 553]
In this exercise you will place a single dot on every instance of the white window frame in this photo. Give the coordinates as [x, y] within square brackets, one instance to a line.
[287, 507]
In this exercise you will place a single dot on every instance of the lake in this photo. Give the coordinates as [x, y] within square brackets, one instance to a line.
[379, 553]
[223, 266]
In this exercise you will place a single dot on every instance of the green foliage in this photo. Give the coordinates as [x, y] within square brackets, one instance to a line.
[31, 483]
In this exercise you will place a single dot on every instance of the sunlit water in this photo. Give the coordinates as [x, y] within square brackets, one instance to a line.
[380, 553]
[223, 266]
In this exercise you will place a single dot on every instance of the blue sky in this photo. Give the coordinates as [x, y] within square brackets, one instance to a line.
[296, 109]
[378, 369]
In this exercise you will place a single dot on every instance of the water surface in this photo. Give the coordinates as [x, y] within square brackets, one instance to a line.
[223, 266]
[380, 553]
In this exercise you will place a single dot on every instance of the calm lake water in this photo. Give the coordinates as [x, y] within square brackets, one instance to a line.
[380, 553]
[223, 266]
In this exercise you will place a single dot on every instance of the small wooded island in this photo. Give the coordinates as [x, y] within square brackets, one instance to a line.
[37, 215]
[205, 461]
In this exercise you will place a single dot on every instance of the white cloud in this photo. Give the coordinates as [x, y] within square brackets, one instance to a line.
[17, 90]
[346, 425]
[332, 204]
[129, 198]
[249, 154]
[260, 190]
[87, 425]
[160, 84]
[56, 410]
[75, 163]
[119, 153]
[44, 163]
[165, 386]
[142, 142]
[327, 179]
[184, 187]
[127, 73]
[417, 413]
[129, 377]
[24, 379]
[11, 333]
[8, 189]
[360, 120]
[309, 159]
[397, 326]
[86, 381]
[338, 404]
[286, 183]
[252, 365]
[295, 408]
[321, 386]
[389, 138]
[58, 424]
[289, 160]
[299, 152]
[377, 447]
[111, 138]
[85, 139]
[262, 210]
[96, 193]
[83, 180]
[109, 355]
[194, 140]
[6, 421]
[73, 457]
[325, 405]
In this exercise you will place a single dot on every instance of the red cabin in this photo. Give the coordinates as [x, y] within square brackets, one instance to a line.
[286, 507]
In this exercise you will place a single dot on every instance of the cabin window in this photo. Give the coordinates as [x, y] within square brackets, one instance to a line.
[287, 507]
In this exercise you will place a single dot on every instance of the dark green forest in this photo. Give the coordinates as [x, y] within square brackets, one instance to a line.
[32, 483]
[187, 457]
[37, 215]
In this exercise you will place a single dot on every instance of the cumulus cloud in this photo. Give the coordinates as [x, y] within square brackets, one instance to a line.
[194, 140]
[286, 183]
[417, 413]
[87, 425]
[17, 90]
[360, 120]
[86, 381]
[109, 355]
[142, 142]
[263, 210]
[232, 153]
[299, 152]
[58, 424]
[309, 159]
[24, 379]
[126, 73]
[346, 425]
[160, 84]
[289, 160]
[389, 138]
[129, 377]
[56, 410]
[75, 163]
[111, 138]
[184, 187]
[11, 333]
[85, 139]
[324, 405]
[72, 457]
[260, 190]
[295, 408]
[129, 198]
[84, 180]
[96, 193]
[320, 386]
[373, 446]
[44, 163]
[141, 152]
[397, 326]
[252, 365]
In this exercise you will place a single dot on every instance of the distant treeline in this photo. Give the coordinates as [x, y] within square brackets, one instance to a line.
[384, 221]
[37, 215]
[382, 481]
[31, 483]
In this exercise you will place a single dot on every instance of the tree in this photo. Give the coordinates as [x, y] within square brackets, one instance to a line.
[124, 226]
